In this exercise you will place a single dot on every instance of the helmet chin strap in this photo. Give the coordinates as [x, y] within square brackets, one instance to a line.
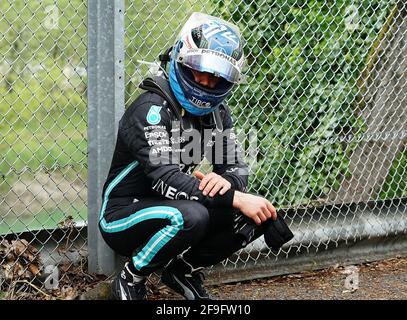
[165, 58]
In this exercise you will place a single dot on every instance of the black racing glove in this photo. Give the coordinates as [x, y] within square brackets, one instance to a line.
[276, 232]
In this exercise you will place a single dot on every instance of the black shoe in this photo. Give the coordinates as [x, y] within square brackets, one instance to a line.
[125, 288]
[189, 285]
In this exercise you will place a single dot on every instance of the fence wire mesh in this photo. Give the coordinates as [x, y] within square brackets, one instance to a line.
[325, 97]
[43, 139]
[325, 94]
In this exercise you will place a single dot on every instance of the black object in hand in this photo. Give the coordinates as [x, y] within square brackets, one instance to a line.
[276, 232]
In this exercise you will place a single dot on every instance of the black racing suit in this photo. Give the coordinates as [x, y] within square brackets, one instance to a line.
[152, 207]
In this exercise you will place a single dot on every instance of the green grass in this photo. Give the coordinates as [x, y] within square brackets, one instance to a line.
[44, 115]
[44, 111]
[42, 220]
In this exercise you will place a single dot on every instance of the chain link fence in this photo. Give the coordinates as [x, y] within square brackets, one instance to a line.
[325, 93]
[326, 97]
[43, 141]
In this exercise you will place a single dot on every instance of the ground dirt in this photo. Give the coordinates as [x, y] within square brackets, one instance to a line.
[382, 280]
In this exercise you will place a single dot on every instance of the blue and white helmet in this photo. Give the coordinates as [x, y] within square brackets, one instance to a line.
[205, 44]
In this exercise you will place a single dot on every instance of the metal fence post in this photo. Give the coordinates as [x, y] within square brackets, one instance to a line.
[105, 107]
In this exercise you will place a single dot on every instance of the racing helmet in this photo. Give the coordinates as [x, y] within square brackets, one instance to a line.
[205, 44]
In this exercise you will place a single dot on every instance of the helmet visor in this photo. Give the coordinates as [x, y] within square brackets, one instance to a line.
[213, 62]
